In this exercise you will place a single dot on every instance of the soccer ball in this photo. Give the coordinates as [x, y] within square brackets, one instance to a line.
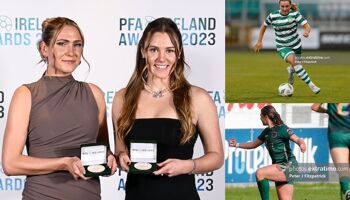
[285, 90]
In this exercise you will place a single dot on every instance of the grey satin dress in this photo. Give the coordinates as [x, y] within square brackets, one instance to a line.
[64, 115]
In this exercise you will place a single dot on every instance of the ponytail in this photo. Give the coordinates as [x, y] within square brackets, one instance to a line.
[272, 114]
[294, 7]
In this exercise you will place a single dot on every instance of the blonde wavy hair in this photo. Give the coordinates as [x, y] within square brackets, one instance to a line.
[50, 28]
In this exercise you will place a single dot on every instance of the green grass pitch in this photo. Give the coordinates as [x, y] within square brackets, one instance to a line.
[255, 77]
[317, 191]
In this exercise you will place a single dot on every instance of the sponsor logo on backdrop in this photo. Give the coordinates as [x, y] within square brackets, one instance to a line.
[120, 180]
[19, 31]
[205, 182]
[10, 183]
[109, 100]
[2, 99]
[219, 100]
[196, 31]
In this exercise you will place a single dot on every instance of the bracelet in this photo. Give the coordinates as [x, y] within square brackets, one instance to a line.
[237, 145]
[194, 167]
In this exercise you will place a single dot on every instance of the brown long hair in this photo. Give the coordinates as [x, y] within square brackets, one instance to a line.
[294, 6]
[50, 28]
[285, 0]
[272, 114]
[178, 83]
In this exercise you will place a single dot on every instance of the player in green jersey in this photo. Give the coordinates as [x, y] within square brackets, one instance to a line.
[285, 22]
[338, 139]
[276, 138]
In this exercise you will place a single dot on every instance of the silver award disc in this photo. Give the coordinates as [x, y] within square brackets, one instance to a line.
[143, 166]
[96, 168]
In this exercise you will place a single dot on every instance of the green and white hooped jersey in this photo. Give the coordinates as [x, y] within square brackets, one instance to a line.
[285, 27]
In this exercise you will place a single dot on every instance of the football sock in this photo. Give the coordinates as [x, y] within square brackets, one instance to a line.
[344, 184]
[264, 189]
[302, 74]
[292, 70]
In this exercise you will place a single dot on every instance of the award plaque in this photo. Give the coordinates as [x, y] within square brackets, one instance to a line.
[143, 156]
[94, 159]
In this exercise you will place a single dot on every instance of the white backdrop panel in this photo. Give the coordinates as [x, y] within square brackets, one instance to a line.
[109, 28]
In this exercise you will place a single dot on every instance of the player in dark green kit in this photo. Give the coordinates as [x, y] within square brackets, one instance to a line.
[339, 139]
[276, 138]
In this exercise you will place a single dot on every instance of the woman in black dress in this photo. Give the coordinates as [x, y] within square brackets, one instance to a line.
[159, 104]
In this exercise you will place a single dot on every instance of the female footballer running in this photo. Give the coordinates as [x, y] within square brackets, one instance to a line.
[285, 22]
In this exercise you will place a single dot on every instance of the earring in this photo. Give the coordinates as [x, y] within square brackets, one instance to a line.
[144, 74]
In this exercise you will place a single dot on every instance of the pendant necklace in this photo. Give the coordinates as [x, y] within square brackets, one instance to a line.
[156, 94]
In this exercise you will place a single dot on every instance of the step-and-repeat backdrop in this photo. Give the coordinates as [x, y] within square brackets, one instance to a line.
[112, 29]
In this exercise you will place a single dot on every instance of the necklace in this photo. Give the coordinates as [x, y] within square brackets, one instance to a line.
[156, 94]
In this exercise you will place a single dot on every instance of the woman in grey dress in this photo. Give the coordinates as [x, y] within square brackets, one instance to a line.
[52, 117]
